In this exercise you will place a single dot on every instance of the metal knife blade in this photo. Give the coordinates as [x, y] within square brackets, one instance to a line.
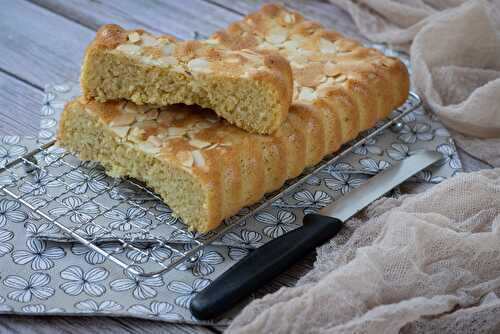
[378, 185]
[269, 260]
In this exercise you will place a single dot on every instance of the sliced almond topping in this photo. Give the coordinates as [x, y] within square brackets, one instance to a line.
[178, 68]
[251, 56]
[199, 143]
[185, 158]
[150, 61]
[147, 116]
[198, 159]
[168, 49]
[168, 61]
[173, 131]
[289, 18]
[277, 35]
[122, 119]
[232, 60]
[266, 45]
[310, 75]
[326, 46]
[211, 41]
[291, 45]
[331, 69]
[149, 40]
[155, 141]
[137, 134]
[130, 49]
[326, 84]
[340, 78]
[134, 37]
[199, 65]
[149, 148]
[214, 145]
[133, 108]
[121, 131]
[307, 94]
[202, 125]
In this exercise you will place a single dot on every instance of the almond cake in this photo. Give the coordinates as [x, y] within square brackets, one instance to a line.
[251, 89]
[207, 169]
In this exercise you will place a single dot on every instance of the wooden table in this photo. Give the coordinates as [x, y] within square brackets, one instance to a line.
[42, 42]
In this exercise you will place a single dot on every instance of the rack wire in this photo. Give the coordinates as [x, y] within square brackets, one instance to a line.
[57, 166]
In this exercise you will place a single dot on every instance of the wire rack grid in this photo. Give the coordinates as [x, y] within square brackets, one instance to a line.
[25, 166]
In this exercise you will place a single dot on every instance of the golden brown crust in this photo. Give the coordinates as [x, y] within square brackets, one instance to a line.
[326, 66]
[193, 59]
[361, 87]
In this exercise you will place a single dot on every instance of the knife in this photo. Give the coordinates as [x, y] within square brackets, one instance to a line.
[271, 259]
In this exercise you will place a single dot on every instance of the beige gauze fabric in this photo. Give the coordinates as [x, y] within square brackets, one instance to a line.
[424, 263]
[455, 55]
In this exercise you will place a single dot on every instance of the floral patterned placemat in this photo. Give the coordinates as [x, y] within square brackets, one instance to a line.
[41, 276]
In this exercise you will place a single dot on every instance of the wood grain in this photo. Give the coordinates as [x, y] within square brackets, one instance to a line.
[86, 325]
[19, 106]
[178, 18]
[39, 46]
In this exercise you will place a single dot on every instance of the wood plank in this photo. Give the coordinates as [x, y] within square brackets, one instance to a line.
[85, 325]
[20, 104]
[39, 46]
[330, 15]
[178, 18]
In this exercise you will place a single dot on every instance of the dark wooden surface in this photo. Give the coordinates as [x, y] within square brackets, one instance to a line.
[42, 42]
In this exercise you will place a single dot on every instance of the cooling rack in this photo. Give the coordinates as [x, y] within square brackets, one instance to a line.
[57, 166]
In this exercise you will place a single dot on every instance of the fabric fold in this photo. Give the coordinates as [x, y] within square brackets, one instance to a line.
[427, 255]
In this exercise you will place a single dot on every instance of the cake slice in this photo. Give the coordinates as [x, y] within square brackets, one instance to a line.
[207, 169]
[329, 70]
[251, 89]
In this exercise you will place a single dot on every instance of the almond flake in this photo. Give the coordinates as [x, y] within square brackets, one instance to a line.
[133, 108]
[168, 49]
[121, 131]
[291, 45]
[265, 45]
[122, 119]
[277, 35]
[307, 94]
[137, 135]
[185, 158]
[215, 145]
[199, 143]
[340, 78]
[252, 56]
[289, 18]
[202, 125]
[168, 61]
[211, 41]
[173, 131]
[178, 69]
[147, 116]
[130, 49]
[198, 159]
[149, 41]
[199, 65]
[149, 148]
[134, 37]
[331, 69]
[326, 46]
[150, 61]
[155, 141]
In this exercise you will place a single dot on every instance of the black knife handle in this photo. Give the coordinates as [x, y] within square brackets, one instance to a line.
[261, 265]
